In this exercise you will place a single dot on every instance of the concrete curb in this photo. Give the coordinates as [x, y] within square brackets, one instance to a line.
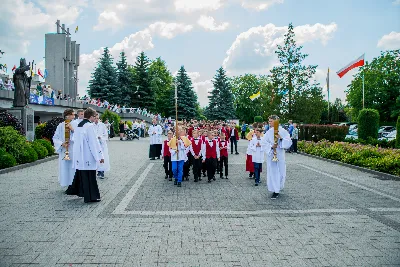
[380, 175]
[26, 165]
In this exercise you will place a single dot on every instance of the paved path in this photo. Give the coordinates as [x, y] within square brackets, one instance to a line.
[328, 215]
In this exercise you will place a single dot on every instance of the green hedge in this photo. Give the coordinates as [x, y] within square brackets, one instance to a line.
[367, 156]
[24, 154]
[368, 124]
[373, 142]
[39, 130]
[398, 132]
[313, 132]
[40, 149]
[6, 159]
[47, 144]
[258, 119]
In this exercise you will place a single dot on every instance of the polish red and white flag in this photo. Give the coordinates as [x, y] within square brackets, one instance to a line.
[354, 64]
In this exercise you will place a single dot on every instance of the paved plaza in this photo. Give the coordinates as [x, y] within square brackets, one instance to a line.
[327, 215]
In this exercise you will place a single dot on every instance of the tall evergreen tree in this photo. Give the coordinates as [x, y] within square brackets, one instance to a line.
[221, 99]
[161, 81]
[142, 95]
[291, 78]
[104, 84]
[124, 77]
[187, 98]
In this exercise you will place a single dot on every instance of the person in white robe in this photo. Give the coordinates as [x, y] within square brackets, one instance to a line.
[102, 135]
[88, 157]
[276, 171]
[257, 147]
[155, 133]
[66, 172]
[74, 186]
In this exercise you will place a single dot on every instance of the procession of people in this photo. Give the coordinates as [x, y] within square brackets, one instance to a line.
[198, 147]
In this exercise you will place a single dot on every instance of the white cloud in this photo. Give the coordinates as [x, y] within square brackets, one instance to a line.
[203, 89]
[108, 19]
[169, 30]
[132, 45]
[209, 23]
[195, 5]
[390, 41]
[396, 2]
[260, 4]
[253, 50]
[23, 21]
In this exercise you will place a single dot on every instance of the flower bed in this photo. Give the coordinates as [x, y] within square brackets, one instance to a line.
[367, 156]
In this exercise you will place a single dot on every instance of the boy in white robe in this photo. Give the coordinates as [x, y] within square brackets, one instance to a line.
[66, 172]
[88, 156]
[102, 135]
[257, 146]
[276, 171]
[155, 133]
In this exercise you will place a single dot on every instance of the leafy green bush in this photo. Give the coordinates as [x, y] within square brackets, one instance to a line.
[367, 156]
[39, 130]
[258, 119]
[7, 119]
[373, 142]
[368, 124]
[313, 132]
[24, 154]
[6, 159]
[40, 150]
[398, 133]
[47, 144]
[112, 118]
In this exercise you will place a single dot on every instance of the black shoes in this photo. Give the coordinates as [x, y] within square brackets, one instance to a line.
[274, 195]
[236, 153]
[214, 178]
[179, 184]
[226, 177]
[222, 177]
[209, 181]
[152, 159]
[176, 182]
[195, 180]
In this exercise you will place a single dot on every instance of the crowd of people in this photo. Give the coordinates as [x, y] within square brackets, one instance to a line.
[7, 84]
[205, 146]
[200, 147]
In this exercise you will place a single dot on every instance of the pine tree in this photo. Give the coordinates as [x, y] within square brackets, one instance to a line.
[142, 95]
[161, 83]
[221, 99]
[124, 77]
[291, 78]
[187, 98]
[104, 84]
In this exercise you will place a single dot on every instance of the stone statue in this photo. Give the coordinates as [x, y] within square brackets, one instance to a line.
[22, 84]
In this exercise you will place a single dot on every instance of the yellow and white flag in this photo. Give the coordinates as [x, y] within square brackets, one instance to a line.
[255, 96]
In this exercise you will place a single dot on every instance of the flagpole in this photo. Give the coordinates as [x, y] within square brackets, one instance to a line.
[363, 89]
[327, 86]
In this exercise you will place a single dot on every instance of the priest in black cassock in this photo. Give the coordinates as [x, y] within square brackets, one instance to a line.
[88, 158]
[155, 133]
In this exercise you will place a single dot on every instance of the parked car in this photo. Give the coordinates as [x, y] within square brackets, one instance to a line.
[385, 130]
[390, 136]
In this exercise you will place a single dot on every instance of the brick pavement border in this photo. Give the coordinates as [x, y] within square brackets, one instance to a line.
[378, 175]
[26, 165]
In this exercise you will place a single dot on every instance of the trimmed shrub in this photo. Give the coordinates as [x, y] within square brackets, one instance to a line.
[39, 130]
[398, 132]
[112, 118]
[50, 128]
[311, 132]
[6, 159]
[368, 124]
[7, 119]
[258, 119]
[40, 150]
[47, 145]
[374, 142]
[24, 154]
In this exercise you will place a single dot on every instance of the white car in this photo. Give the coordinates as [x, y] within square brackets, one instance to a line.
[390, 136]
[352, 136]
[385, 130]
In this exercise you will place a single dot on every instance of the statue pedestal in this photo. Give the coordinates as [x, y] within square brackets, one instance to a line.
[26, 115]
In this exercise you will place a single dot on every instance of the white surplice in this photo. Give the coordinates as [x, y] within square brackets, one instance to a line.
[258, 152]
[155, 133]
[102, 135]
[65, 171]
[276, 171]
[87, 150]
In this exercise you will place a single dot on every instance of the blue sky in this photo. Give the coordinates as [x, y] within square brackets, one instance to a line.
[240, 35]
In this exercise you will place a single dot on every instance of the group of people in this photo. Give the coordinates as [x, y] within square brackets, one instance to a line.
[7, 84]
[138, 128]
[81, 144]
[205, 146]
